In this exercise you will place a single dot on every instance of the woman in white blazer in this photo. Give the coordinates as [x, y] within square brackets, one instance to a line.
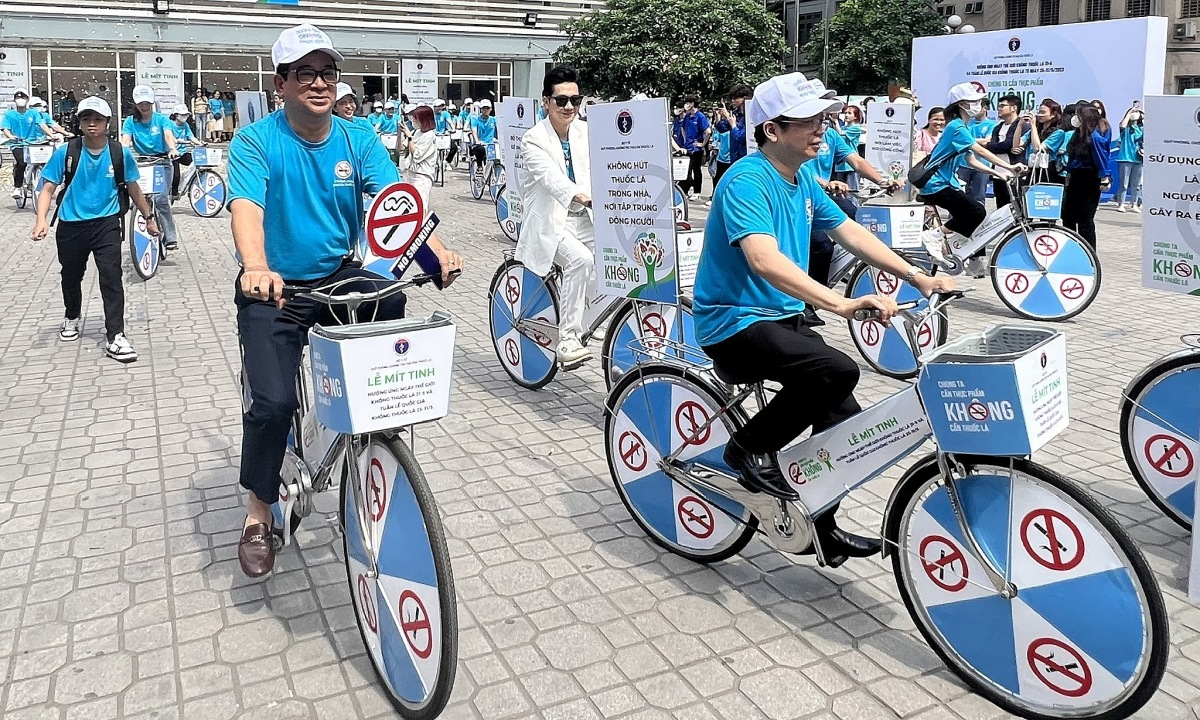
[557, 191]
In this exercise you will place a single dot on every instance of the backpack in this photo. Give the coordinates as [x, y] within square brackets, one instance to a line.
[923, 171]
[116, 153]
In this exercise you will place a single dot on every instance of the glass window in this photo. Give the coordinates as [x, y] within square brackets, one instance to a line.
[1098, 10]
[234, 63]
[1187, 82]
[38, 58]
[485, 69]
[83, 59]
[505, 69]
[128, 60]
[1016, 13]
[361, 67]
[1189, 8]
[41, 85]
[191, 61]
[1137, 8]
[945, 10]
[1048, 13]
[443, 67]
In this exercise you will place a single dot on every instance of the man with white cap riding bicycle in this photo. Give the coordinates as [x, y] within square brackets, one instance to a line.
[151, 133]
[21, 123]
[752, 287]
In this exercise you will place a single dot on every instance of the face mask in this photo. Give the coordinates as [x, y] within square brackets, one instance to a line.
[974, 108]
[1074, 121]
[21, 102]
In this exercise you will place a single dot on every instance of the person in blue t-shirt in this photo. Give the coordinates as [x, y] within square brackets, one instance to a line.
[1044, 140]
[752, 287]
[46, 121]
[975, 181]
[957, 148]
[732, 119]
[216, 110]
[346, 105]
[1088, 152]
[482, 128]
[724, 159]
[441, 118]
[695, 130]
[21, 123]
[376, 116]
[1129, 160]
[389, 124]
[296, 184]
[184, 139]
[90, 220]
[151, 133]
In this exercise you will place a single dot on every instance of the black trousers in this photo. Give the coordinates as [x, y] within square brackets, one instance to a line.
[695, 176]
[18, 167]
[1001, 192]
[1081, 197]
[272, 341]
[965, 213]
[479, 152]
[721, 168]
[100, 238]
[818, 381]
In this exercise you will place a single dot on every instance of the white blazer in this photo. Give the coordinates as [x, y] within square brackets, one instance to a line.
[547, 191]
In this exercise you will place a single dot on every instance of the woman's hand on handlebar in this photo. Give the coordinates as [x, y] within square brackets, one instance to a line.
[883, 308]
[929, 285]
[262, 284]
[452, 265]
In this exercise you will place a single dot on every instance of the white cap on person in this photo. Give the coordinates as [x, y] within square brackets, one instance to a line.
[439, 103]
[93, 104]
[343, 90]
[791, 95]
[296, 42]
[389, 105]
[485, 103]
[965, 91]
[180, 109]
[36, 101]
[143, 93]
[377, 106]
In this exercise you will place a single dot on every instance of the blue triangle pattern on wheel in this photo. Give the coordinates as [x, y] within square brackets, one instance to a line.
[909, 293]
[1072, 259]
[1174, 402]
[1099, 613]
[1184, 500]
[353, 530]
[654, 498]
[1016, 255]
[404, 550]
[981, 632]
[401, 673]
[647, 408]
[895, 354]
[623, 356]
[535, 364]
[863, 286]
[985, 500]
[535, 294]
[1042, 301]
[502, 320]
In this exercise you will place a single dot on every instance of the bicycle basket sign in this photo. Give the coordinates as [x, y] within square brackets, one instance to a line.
[394, 220]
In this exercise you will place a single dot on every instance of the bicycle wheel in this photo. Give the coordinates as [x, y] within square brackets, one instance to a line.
[643, 321]
[407, 616]
[517, 293]
[1086, 633]
[655, 410]
[1064, 289]
[510, 227]
[23, 200]
[680, 203]
[477, 180]
[207, 193]
[497, 183]
[887, 349]
[143, 247]
[1160, 435]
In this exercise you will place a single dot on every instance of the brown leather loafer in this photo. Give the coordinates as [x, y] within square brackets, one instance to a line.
[256, 551]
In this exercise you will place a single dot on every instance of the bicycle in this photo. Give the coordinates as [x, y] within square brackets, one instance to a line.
[1040, 270]
[509, 226]
[490, 178]
[679, 173]
[145, 250]
[397, 561]
[1160, 434]
[202, 184]
[37, 154]
[439, 170]
[456, 139]
[1066, 623]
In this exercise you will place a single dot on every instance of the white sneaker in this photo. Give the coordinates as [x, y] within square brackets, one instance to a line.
[977, 266]
[1136, 208]
[17, 193]
[120, 349]
[1120, 207]
[935, 244]
[572, 354]
[69, 330]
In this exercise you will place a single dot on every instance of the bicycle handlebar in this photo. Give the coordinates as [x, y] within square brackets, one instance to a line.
[323, 295]
[936, 300]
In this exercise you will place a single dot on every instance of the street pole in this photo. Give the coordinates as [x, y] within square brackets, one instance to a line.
[825, 44]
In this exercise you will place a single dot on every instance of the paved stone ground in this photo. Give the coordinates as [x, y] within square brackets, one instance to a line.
[120, 594]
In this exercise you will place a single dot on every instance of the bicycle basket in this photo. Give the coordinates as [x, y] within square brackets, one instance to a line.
[39, 154]
[382, 375]
[153, 178]
[999, 392]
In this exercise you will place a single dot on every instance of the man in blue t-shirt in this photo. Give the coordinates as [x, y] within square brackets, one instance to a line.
[21, 123]
[441, 117]
[147, 132]
[389, 124]
[483, 132]
[695, 130]
[90, 224]
[733, 121]
[752, 287]
[296, 184]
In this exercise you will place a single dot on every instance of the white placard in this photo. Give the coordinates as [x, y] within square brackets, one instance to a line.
[162, 71]
[890, 138]
[632, 199]
[688, 245]
[1056, 61]
[419, 81]
[14, 73]
[1171, 195]
[514, 116]
[251, 107]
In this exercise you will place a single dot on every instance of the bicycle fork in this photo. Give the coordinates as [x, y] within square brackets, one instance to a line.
[948, 466]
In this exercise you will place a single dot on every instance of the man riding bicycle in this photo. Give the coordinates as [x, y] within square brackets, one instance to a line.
[21, 124]
[752, 286]
[297, 179]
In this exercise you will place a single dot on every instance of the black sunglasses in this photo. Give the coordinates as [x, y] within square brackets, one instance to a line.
[562, 100]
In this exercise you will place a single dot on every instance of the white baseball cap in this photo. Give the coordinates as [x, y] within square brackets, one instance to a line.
[439, 103]
[791, 95]
[389, 105]
[408, 108]
[468, 101]
[36, 101]
[94, 104]
[965, 91]
[343, 90]
[378, 105]
[143, 93]
[180, 109]
[485, 103]
[296, 42]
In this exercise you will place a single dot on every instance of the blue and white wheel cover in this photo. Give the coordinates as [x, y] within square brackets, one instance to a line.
[1073, 637]
[400, 611]
[647, 323]
[1068, 282]
[511, 228]
[145, 245]
[889, 347]
[522, 294]
[1166, 438]
[680, 203]
[207, 193]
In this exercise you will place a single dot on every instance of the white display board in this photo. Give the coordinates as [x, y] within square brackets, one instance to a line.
[419, 81]
[514, 117]
[1171, 218]
[890, 138]
[1057, 61]
[14, 73]
[632, 199]
[162, 71]
[251, 106]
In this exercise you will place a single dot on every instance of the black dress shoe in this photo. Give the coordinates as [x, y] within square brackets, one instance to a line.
[839, 546]
[758, 473]
[811, 318]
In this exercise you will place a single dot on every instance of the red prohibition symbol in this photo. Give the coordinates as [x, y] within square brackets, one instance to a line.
[1172, 459]
[1183, 270]
[633, 451]
[1016, 283]
[925, 335]
[538, 337]
[1052, 540]
[1060, 667]
[871, 332]
[944, 563]
[690, 416]
[414, 623]
[978, 411]
[696, 517]
[1045, 245]
[512, 289]
[376, 490]
[511, 352]
[1071, 288]
[367, 601]
[886, 283]
[795, 474]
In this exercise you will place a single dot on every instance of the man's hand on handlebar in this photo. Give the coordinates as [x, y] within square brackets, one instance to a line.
[882, 305]
[836, 187]
[929, 285]
[452, 265]
[261, 283]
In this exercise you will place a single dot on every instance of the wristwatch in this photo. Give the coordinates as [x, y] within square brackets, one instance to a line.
[913, 272]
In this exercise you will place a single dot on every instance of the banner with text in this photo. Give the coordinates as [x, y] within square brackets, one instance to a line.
[419, 81]
[14, 74]
[632, 193]
[1056, 61]
[890, 138]
[516, 115]
[162, 71]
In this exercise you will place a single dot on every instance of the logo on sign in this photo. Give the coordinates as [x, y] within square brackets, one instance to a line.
[624, 122]
[343, 170]
[402, 346]
[3, 56]
[890, 112]
[520, 110]
[1014, 44]
[158, 60]
[978, 85]
[1044, 361]
[420, 66]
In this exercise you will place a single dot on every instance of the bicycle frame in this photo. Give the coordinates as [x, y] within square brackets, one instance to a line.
[996, 225]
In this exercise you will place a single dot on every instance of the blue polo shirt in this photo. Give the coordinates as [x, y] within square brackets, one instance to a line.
[853, 134]
[956, 138]
[24, 125]
[693, 127]
[723, 154]
[149, 138]
[834, 150]
[753, 198]
[311, 193]
[93, 193]
[485, 130]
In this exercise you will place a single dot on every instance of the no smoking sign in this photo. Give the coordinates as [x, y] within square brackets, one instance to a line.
[394, 220]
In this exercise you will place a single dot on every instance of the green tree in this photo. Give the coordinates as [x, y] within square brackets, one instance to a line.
[670, 48]
[870, 42]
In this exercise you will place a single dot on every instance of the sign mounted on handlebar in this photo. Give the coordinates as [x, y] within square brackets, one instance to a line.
[396, 233]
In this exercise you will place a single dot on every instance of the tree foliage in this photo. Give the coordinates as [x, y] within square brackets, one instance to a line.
[671, 48]
[870, 42]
